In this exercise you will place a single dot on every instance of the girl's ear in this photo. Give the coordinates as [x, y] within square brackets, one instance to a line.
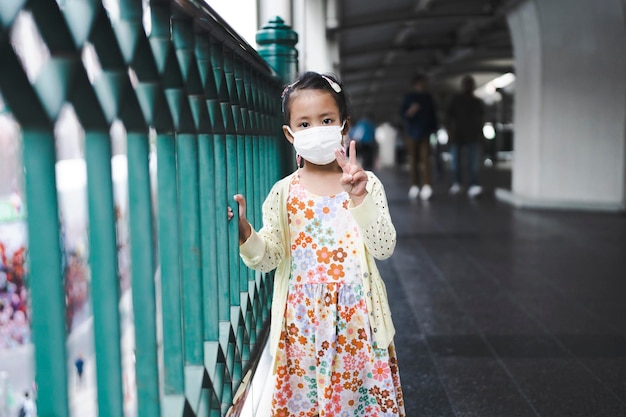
[346, 127]
[288, 135]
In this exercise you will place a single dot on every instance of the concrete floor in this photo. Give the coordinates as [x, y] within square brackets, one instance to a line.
[502, 312]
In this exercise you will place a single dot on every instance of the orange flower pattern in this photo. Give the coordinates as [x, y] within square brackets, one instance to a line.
[326, 363]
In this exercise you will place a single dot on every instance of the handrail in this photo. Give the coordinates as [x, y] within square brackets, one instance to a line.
[207, 18]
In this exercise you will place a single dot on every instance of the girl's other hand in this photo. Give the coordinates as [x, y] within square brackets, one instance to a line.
[354, 179]
[244, 227]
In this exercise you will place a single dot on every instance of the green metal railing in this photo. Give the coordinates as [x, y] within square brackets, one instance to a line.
[184, 83]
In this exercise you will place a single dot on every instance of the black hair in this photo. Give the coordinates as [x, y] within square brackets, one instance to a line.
[315, 81]
[419, 78]
[468, 82]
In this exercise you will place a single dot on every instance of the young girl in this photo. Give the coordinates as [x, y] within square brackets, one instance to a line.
[331, 335]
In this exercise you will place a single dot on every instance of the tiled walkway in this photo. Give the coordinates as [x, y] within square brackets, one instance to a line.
[502, 312]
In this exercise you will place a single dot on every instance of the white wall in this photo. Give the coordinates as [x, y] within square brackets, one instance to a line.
[570, 111]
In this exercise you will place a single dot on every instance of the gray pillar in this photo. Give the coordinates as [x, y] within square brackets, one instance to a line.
[570, 140]
[267, 9]
[315, 49]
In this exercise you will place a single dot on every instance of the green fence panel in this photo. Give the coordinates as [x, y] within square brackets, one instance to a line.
[195, 113]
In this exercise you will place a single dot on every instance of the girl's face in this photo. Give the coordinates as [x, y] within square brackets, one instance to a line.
[311, 108]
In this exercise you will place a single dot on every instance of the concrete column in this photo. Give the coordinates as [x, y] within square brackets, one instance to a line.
[570, 115]
[314, 50]
[267, 9]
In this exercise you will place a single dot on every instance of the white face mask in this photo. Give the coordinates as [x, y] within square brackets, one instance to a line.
[317, 144]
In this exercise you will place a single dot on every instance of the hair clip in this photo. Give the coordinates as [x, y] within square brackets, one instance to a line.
[288, 87]
[284, 93]
[333, 84]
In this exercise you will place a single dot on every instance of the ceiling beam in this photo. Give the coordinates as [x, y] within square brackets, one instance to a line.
[470, 55]
[421, 47]
[403, 17]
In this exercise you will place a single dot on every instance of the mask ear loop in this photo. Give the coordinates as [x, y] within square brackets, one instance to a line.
[299, 161]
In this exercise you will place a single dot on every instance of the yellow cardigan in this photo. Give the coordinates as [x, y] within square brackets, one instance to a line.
[270, 248]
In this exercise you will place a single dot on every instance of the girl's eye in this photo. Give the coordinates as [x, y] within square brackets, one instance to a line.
[327, 121]
[304, 125]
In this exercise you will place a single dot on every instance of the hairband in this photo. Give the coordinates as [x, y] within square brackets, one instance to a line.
[333, 84]
[289, 86]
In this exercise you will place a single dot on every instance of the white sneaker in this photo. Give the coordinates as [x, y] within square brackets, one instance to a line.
[426, 192]
[414, 191]
[474, 191]
[455, 189]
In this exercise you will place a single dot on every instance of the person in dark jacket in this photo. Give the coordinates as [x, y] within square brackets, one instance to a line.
[464, 123]
[419, 115]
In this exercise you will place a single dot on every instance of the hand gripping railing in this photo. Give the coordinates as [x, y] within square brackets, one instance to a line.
[183, 86]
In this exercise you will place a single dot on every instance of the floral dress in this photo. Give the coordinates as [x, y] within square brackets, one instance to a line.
[326, 363]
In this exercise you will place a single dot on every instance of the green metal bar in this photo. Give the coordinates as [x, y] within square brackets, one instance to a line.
[242, 158]
[105, 282]
[249, 273]
[169, 255]
[258, 179]
[209, 243]
[243, 168]
[223, 199]
[189, 205]
[142, 270]
[46, 276]
[232, 168]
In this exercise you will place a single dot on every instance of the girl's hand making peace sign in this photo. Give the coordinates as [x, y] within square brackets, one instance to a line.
[354, 179]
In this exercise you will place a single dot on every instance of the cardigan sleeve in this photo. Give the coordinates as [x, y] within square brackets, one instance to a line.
[374, 221]
[265, 249]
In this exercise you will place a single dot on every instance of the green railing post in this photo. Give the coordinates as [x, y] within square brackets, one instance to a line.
[277, 43]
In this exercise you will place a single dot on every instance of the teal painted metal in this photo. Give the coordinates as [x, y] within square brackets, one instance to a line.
[210, 241]
[171, 277]
[200, 112]
[48, 323]
[143, 276]
[104, 280]
[223, 199]
[191, 259]
[277, 43]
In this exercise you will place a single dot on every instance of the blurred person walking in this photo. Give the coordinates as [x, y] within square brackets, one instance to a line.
[364, 133]
[464, 123]
[418, 113]
[79, 364]
[27, 409]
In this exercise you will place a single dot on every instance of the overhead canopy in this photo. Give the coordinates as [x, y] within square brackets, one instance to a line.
[384, 44]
